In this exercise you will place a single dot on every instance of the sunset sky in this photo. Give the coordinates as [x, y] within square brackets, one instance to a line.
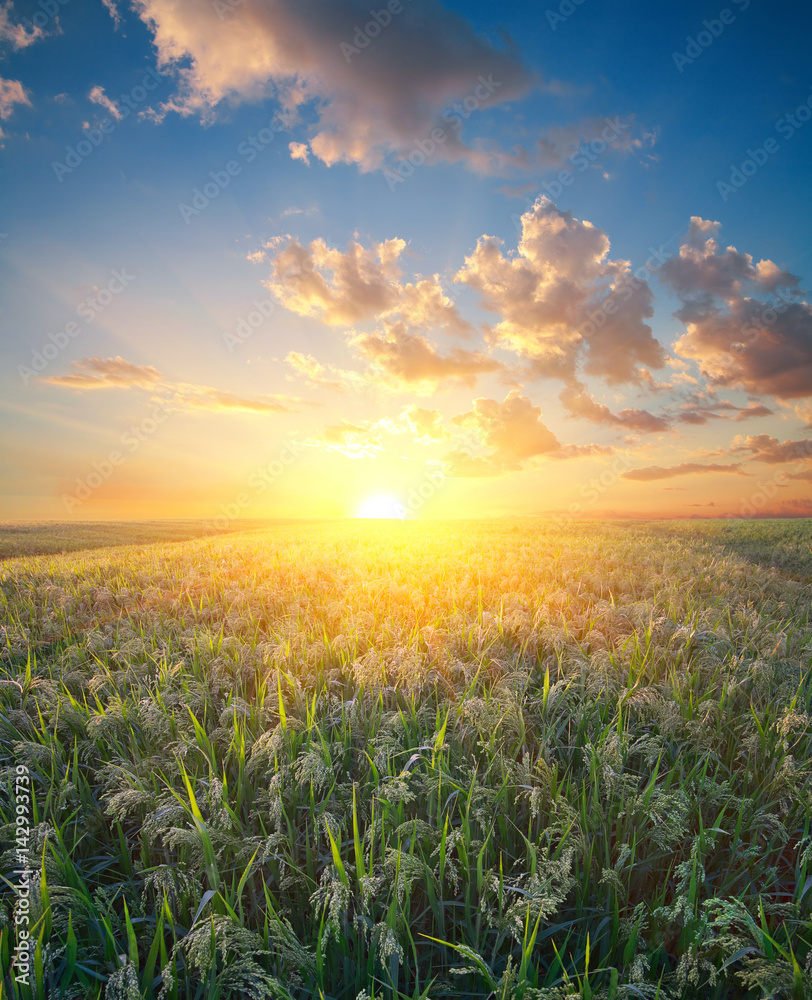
[279, 258]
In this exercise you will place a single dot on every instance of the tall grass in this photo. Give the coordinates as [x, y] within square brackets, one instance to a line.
[414, 760]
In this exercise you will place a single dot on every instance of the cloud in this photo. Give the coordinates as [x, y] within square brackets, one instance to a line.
[568, 451]
[351, 440]
[353, 286]
[652, 472]
[321, 377]
[577, 400]
[426, 425]
[772, 451]
[112, 10]
[577, 145]
[563, 303]
[370, 100]
[702, 406]
[736, 334]
[754, 410]
[339, 288]
[298, 151]
[12, 92]
[409, 361]
[18, 35]
[694, 417]
[512, 432]
[98, 96]
[106, 373]
[803, 411]
[117, 373]
[203, 397]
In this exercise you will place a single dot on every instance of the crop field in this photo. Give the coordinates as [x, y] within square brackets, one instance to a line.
[359, 759]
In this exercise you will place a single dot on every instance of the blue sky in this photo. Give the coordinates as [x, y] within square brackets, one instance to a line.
[511, 421]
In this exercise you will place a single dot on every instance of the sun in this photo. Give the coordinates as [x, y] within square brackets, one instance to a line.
[382, 506]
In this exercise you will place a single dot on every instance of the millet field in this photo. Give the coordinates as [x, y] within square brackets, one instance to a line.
[356, 760]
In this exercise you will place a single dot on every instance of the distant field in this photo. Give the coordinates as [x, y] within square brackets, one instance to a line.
[505, 759]
[34, 538]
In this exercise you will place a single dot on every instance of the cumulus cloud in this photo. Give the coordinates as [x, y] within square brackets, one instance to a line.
[772, 451]
[298, 151]
[369, 101]
[339, 288]
[117, 373]
[652, 472]
[578, 401]
[512, 432]
[564, 304]
[426, 425]
[737, 334]
[408, 360]
[359, 284]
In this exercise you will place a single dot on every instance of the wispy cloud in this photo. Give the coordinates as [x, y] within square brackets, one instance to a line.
[98, 96]
[17, 35]
[106, 373]
[117, 373]
[653, 472]
[12, 93]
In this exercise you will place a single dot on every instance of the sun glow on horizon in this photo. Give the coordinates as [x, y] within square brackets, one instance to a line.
[382, 506]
